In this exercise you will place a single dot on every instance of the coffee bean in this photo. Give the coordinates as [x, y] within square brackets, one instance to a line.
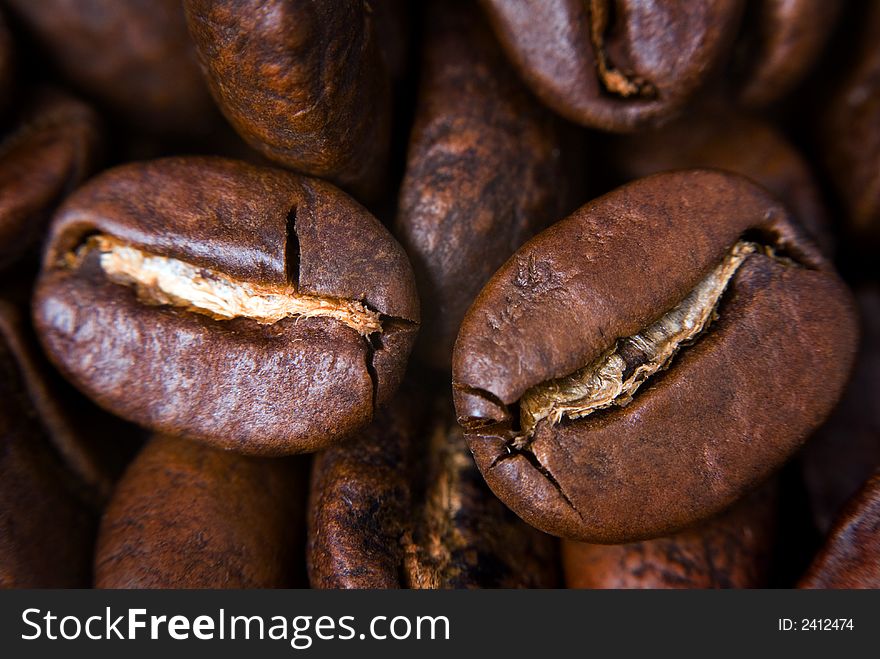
[845, 451]
[731, 550]
[46, 511]
[851, 555]
[781, 41]
[135, 57]
[55, 146]
[851, 130]
[188, 516]
[305, 84]
[484, 172]
[247, 307]
[615, 66]
[6, 64]
[404, 506]
[580, 413]
[714, 136]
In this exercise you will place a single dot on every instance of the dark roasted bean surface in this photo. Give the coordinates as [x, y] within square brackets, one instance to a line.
[456, 294]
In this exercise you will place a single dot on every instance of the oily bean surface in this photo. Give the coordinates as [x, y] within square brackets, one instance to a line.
[650, 468]
[284, 387]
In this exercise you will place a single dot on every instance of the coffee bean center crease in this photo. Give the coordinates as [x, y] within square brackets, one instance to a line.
[613, 378]
[162, 280]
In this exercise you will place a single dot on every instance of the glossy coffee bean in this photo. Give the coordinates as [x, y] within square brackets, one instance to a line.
[133, 56]
[403, 506]
[851, 139]
[850, 557]
[615, 66]
[550, 358]
[304, 83]
[714, 136]
[780, 44]
[56, 144]
[46, 513]
[732, 550]
[845, 451]
[188, 516]
[484, 172]
[247, 307]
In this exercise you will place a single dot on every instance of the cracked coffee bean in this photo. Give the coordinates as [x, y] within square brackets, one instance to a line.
[851, 131]
[781, 41]
[133, 56]
[247, 307]
[304, 83]
[715, 137]
[405, 507]
[55, 146]
[48, 510]
[851, 555]
[616, 66]
[188, 516]
[484, 172]
[640, 365]
[732, 550]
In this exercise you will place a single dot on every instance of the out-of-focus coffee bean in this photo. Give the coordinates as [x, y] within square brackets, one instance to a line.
[188, 516]
[135, 57]
[851, 555]
[485, 172]
[731, 550]
[55, 146]
[304, 83]
[403, 506]
[616, 66]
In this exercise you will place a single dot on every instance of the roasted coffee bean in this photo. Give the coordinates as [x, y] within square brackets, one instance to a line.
[615, 66]
[134, 56]
[845, 451]
[6, 64]
[732, 550]
[851, 140]
[189, 516]
[46, 519]
[484, 172]
[55, 146]
[247, 307]
[714, 136]
[781, 41]
[93, 446]
[851, 555]
[404, 506]
[304, 83]
[549, 358]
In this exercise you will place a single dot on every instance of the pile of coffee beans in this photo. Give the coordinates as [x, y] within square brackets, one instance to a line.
[453, 294]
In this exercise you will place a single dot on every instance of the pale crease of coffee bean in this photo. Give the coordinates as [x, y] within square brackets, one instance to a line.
[429, 564]
[613, 80]
[166, 281]
[601, 384]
